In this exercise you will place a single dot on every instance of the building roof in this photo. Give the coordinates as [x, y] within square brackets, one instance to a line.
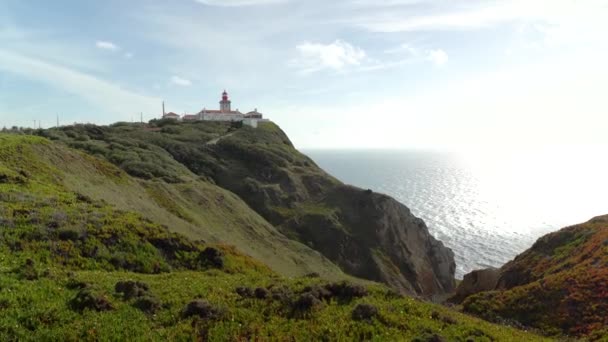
[254, 114]
[171, 114]
[213, 111]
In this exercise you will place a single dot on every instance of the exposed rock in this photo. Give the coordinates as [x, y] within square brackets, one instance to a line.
[475, 282]
[377, 238]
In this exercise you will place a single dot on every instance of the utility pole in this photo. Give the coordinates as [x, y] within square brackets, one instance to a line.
[141, 117]
[57, 121]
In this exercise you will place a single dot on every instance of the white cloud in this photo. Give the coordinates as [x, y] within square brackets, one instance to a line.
[107, 45]
[108, 96]
[180, 81]
[238, 3]
[411, 16]
[415, 54]
[538, 104]
[439, 57]
[337, 56]
[129, 55]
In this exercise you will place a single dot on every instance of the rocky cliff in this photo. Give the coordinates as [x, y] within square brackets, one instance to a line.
[367, 235]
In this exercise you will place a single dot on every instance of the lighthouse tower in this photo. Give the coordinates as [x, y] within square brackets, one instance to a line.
[225, 103]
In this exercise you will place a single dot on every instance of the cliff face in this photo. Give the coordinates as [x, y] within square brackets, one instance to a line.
[378, 238]
[560, 285]
[367, 235]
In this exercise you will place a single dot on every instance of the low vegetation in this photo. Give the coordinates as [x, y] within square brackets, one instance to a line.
[559, 286]
[77, 268]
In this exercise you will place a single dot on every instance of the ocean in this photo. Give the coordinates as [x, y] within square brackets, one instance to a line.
[486, 206]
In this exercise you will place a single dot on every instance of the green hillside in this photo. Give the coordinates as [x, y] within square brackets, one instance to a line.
[207, 175]
[80, 262]
[177, 198]
[559, 286]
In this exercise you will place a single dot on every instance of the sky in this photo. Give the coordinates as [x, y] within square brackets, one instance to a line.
[443, 74]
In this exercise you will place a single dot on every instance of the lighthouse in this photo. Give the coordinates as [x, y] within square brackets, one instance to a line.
[225, 103]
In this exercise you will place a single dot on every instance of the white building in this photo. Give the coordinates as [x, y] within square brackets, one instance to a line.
[225, 113]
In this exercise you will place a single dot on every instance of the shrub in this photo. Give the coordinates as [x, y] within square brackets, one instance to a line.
[147, 304]
[319, 292]
[346, 291]
[74, 284]
[307, 302]
[68, 234]
[88, 299]
[202, 309]
[364, 312]
[131, 289]
[28, 271]
[429, 337]
[170, 245]
[212, 257]
[261, 293]
[445, 319]
[245, 292]
[282, 294]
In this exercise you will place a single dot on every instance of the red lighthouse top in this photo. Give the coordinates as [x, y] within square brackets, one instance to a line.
[225, 96]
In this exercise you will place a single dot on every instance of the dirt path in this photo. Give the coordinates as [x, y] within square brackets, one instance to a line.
[216, 140]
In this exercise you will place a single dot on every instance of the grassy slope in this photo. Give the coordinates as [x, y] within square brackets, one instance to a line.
[560, 285]
[192, 206]
[175, 161]
[55, 241]
[47, 317]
